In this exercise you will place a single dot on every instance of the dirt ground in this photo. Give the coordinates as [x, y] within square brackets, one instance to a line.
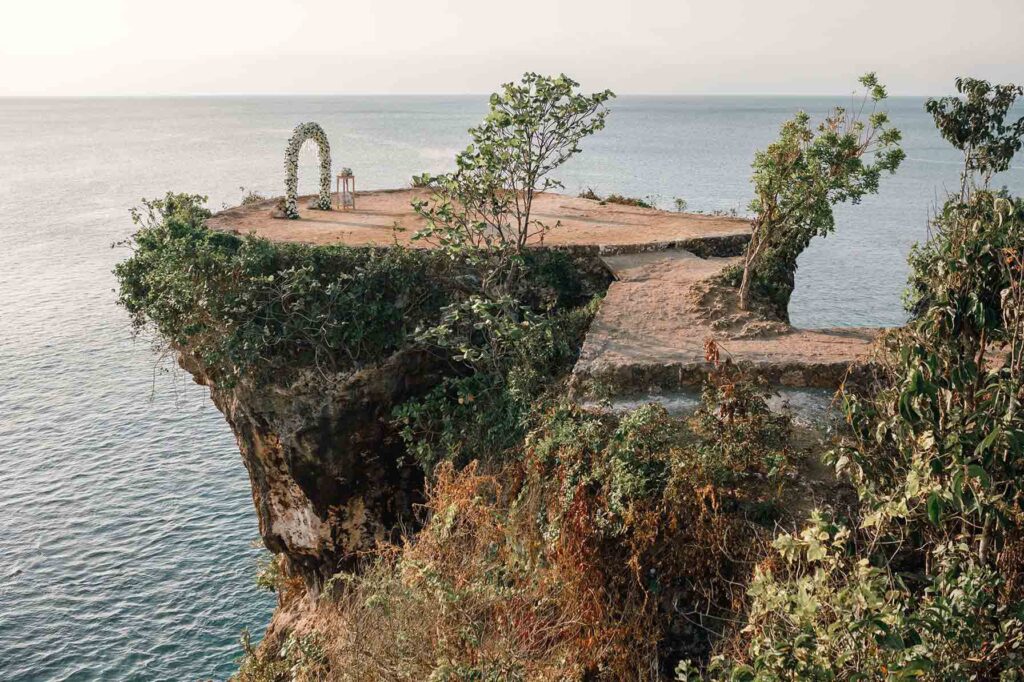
[378, 214]
[656, 317]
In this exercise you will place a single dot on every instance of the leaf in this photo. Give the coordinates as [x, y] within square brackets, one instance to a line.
[976, 471]
[987, 442]
[934, 508]
[906, 410]
[916, 668]
[742, 673]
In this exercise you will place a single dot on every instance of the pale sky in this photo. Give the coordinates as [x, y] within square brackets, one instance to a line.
[181, 47]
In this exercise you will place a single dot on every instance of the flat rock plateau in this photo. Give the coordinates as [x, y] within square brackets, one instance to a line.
[662, 308]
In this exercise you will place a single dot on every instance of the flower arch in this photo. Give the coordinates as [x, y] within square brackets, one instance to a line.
[303, 132]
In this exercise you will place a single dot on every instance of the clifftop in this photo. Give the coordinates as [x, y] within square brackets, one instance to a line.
[652, 326]
[582, 222]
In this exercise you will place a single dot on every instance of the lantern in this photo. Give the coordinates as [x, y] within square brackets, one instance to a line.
[346, 189]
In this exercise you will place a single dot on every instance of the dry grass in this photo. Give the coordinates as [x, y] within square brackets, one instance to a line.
[604, 548]
[605, 552]
[479, 593]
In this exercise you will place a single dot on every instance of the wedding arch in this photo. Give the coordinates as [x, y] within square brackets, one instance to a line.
[303, 132]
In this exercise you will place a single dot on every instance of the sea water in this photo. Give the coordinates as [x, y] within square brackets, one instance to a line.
[126, 522]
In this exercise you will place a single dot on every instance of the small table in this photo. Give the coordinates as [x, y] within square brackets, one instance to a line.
[346, 194]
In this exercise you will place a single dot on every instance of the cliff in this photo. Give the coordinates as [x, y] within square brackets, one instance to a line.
[328, 471]
[349, 406]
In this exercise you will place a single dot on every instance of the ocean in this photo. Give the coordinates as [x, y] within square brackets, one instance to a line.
[126, 522]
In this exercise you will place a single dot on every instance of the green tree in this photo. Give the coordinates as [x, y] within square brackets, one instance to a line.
[801, 176]
[486, 204]
[924, 581]
[975, 123]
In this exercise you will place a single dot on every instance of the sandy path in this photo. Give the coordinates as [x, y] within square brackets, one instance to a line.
[650, 333]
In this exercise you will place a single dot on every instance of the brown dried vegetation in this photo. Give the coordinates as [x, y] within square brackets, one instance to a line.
[604, 548]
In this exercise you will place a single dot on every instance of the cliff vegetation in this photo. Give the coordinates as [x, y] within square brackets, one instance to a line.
[441, 509]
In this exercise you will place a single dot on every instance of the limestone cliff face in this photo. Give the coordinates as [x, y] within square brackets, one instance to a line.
[327, 472]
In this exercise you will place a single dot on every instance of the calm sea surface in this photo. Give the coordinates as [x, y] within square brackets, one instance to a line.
[126, 523]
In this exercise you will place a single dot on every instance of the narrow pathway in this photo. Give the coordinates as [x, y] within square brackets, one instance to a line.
[654, 321]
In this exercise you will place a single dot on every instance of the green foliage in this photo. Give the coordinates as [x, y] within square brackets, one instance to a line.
[975, 123]
[834, 616]
[533, 127]
[943, 437]
[268, 573]
[250, 307]
[925, 580]
[730, 441]
[423, 180]
[647, 202]
[251, 197]
[680, 204]
[800, 177]
[738, 430]
[300, 658]
[485, 410]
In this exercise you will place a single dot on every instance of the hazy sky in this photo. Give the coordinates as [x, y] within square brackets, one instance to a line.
[124, 47]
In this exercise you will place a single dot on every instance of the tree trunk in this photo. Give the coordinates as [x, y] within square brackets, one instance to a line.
[745, 286]
[749, 258]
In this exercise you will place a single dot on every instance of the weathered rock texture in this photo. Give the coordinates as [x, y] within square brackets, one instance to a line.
[328, 474]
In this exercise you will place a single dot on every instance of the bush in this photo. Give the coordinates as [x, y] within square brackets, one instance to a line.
[924, 579]
[609, 546]
[244, 306]
[251, 197]
[646, 202]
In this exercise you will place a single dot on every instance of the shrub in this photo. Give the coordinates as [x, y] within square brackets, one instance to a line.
[251, 197]
[245, 306]
[608, 549]
[423, 180]
[799, 178]
[300, 658]
[484, 411]
[924, 579]
[646, 202]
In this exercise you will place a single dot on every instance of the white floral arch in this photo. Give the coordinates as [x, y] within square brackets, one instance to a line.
[303, 132]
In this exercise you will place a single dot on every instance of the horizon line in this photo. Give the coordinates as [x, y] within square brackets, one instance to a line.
[432, 94]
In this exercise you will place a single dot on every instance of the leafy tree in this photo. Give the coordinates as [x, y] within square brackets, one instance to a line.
[976, 125]
[944, 434]
[801, 176]
[505, 341]
[486, 204]
[926, 581]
